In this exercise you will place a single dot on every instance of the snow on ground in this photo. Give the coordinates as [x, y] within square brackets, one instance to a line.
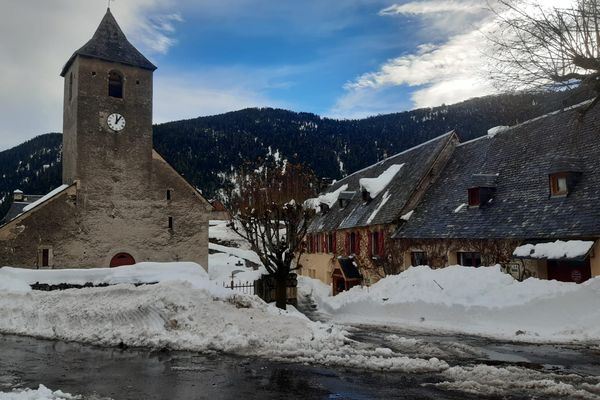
[482, 301]
[41, 393]
[219, 231]
[189, 313]
[221, 265]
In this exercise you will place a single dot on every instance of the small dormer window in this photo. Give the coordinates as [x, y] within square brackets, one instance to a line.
[474, 197]
[481, 196]
[343, 203]
[115, 84]
[324, 208]
[559, 184]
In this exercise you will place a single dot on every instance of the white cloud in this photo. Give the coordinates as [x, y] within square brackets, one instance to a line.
[433, 74]
[435, 7]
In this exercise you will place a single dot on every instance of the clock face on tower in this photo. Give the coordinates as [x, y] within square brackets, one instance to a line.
[116, 122]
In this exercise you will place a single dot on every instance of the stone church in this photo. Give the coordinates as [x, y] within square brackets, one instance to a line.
[120, 202]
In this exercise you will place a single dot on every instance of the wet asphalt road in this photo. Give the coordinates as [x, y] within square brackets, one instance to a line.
[480, 369]
[99, 373]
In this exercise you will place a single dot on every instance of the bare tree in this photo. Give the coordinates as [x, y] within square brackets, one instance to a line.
[536, 47]
[268, 212]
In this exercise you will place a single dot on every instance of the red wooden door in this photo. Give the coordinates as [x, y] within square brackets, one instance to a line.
[122, 259]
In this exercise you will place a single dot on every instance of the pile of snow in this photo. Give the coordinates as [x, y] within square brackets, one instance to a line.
[376, 185]
[42, 393]
[45, 198]
[475, 300]
[555, 250]
[496, 130]
[406, 217]
[188, 312]
[19, 279]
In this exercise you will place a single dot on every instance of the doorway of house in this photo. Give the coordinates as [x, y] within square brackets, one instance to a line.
[122, 259]
[569, 271]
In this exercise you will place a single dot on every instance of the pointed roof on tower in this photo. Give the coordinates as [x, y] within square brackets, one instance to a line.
[109, 43]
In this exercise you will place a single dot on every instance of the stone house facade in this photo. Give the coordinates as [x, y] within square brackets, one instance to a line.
[525, 197]
[348, 241]
[534, 184]
[120, 202]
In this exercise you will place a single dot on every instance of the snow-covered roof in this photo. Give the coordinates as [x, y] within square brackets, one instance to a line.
[391, 184]
[376, 185]
[45, 198]
[571, 249]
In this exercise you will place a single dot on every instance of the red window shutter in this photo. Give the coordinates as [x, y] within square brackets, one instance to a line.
[312, 243]
[357, 250]
[381, 243]
[369, 244]
[334, 250]
[348, 249]
[324, 242]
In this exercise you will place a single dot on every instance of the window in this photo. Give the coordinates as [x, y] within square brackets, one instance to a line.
[115, 85]
[45, 257]
[171, 223]
[366, 196]
[469, 259]
[168, 195]
[330, 243]
[343, 203]
[474, 198]
[354, 243]
[558, 184]
[418, 258]
[375, 245]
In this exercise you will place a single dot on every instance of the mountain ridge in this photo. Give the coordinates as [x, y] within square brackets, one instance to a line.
[208, 150]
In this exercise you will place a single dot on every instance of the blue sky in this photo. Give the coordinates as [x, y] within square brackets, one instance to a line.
[343, 58]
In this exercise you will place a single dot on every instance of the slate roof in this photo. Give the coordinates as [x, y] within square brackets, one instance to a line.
[17, 207]
[110, 44]
[522, 208]
[417, 162]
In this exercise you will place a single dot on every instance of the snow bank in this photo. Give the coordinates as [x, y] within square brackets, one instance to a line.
[376, 185]
[42, 393]
[185, 311]
[45, 198]
[555, 250]
[496, 130]
[475, 300]
[19, 279]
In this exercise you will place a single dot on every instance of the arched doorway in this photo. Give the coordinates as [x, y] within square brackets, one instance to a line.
[122, 259]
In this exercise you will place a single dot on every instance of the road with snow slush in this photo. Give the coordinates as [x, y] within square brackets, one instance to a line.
[479, 369]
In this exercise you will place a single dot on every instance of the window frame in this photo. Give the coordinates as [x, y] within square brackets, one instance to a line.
[555, 185]
[474, 196]
[418, 253]
[474, 255]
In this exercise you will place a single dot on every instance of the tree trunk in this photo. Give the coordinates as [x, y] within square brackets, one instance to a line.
[281, 290]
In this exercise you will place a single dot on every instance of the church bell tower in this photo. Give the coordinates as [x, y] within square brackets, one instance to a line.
[107, 118]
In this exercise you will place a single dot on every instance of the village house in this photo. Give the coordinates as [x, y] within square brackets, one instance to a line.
[120, 202]
[347, 240]
[525, 197]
